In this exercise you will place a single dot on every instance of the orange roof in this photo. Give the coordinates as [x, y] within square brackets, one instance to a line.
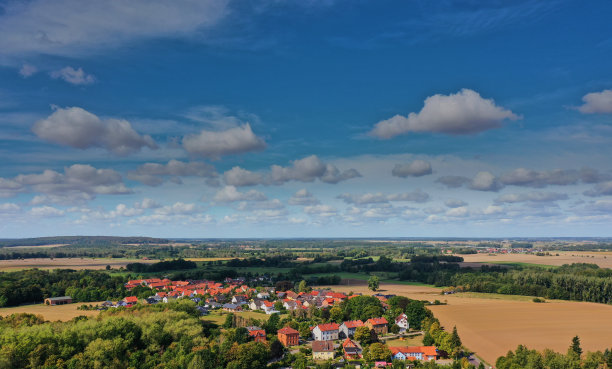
[353, 323]
[378, 321]
[131, 299]
[328, 327]
[288, 330]
[425, 350]
[348, 343]
[258, 332]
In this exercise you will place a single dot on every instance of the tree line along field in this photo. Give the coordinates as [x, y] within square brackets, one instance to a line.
[492, 324]
[557, 258]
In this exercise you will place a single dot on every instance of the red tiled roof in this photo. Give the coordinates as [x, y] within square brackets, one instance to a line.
[323, 346]
[288, 330]
[328, 327]
[353, 323]
[131, 299]
[378, 321]
[425, 350]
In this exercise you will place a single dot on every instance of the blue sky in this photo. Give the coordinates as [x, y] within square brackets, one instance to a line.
[312, 118]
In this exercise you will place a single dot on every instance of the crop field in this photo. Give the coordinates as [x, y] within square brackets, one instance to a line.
[67, 263]
[53, 313]
[491, 324]
[603, 259]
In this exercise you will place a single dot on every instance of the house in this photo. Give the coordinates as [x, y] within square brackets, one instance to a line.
[288, 336]
[58, 300]
[379, 325]
[213, 305]
[231, 308]
[267, 306]
[202, 310]
[348, 328]
[425, 353]
[402, 322]
[263, 295]
[131, 300]
[258, 334]
[256, 304]
[239, 299]
[352, 351]
[326, 332]
[323, 350]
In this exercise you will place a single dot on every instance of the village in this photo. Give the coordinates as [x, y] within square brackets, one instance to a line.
[326, 341]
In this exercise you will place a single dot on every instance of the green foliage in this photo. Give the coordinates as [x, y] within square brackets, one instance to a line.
[373, 283]
[162, 266]
[522, 357]
[377, 352]
[362, 308]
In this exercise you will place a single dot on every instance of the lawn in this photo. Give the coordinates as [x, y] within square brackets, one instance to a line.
[53, 313]
[415, 340]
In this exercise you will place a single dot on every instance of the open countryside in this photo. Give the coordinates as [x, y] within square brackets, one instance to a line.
[557, 258]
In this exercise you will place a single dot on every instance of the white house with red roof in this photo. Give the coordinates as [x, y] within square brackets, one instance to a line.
[424, 353]
[402, 322]
[326, 332]
[348, 328]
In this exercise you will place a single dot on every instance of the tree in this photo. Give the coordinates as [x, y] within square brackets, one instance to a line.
[373, 283]
[336, 314]
[378, 352]
[271, 325]
[575, 346]
[303, 286]
[394, 328]
[455, 341]
[305, 331]
[362, 334]
[229, 321]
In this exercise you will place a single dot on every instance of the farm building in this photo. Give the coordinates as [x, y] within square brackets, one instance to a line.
[58, 300]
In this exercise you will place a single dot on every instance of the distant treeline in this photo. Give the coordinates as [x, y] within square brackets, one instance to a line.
[82, 240]
[580, 282]
[34, 285]
[162, 266]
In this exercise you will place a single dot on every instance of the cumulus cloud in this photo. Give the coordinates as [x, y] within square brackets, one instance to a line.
[273, 204]
[46, 211]
[73, 28]
[454, 203]
[453, 181]
[531, 197]
[147, 203]
[321, 210]
[459, 212]
[379, 198]
[9, 207]
[597, 103]
[27, 70]
[308, 169]
[559, 177]
[73, 76]
[79, 182]
[178, 208]
[230, 194]
[601, 189]
[153, 174]
[241, 177]
[303, 197]
[465, 112]
[214, 144]
[417, 168]
[78, 128]
[485, 181]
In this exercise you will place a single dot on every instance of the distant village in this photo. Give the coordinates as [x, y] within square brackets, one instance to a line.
[234, 296]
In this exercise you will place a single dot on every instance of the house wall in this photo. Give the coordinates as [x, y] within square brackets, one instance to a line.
[323, 355]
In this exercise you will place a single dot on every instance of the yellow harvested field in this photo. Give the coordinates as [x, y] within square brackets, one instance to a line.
[67, 263]
[603, 259]
[53, 313]
[492, 324]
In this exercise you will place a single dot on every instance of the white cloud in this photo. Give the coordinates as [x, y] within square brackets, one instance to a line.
[214, 144]
[9, 207]
[601, 189]
[303, 197]
[27, 70]
[459, 212]
[597, 103]
[379, 198]
[321, 210]
[231, 194]
[46, 211]
[454, 203]
[78, 183]
[273, 204]
[153, 174]
[308, 169]
[417, 168]
[178, 208]
[147, 203]
[78, 128]
[493, 210]
[531, 197]
[73, 27]
[73, 76]
[485, 181]
[241, 177]
[457, 114]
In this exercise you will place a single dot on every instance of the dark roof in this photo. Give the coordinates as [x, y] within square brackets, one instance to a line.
[322, 346]
[60, 298]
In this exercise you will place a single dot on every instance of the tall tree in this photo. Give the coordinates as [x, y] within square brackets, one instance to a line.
[373, 283]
